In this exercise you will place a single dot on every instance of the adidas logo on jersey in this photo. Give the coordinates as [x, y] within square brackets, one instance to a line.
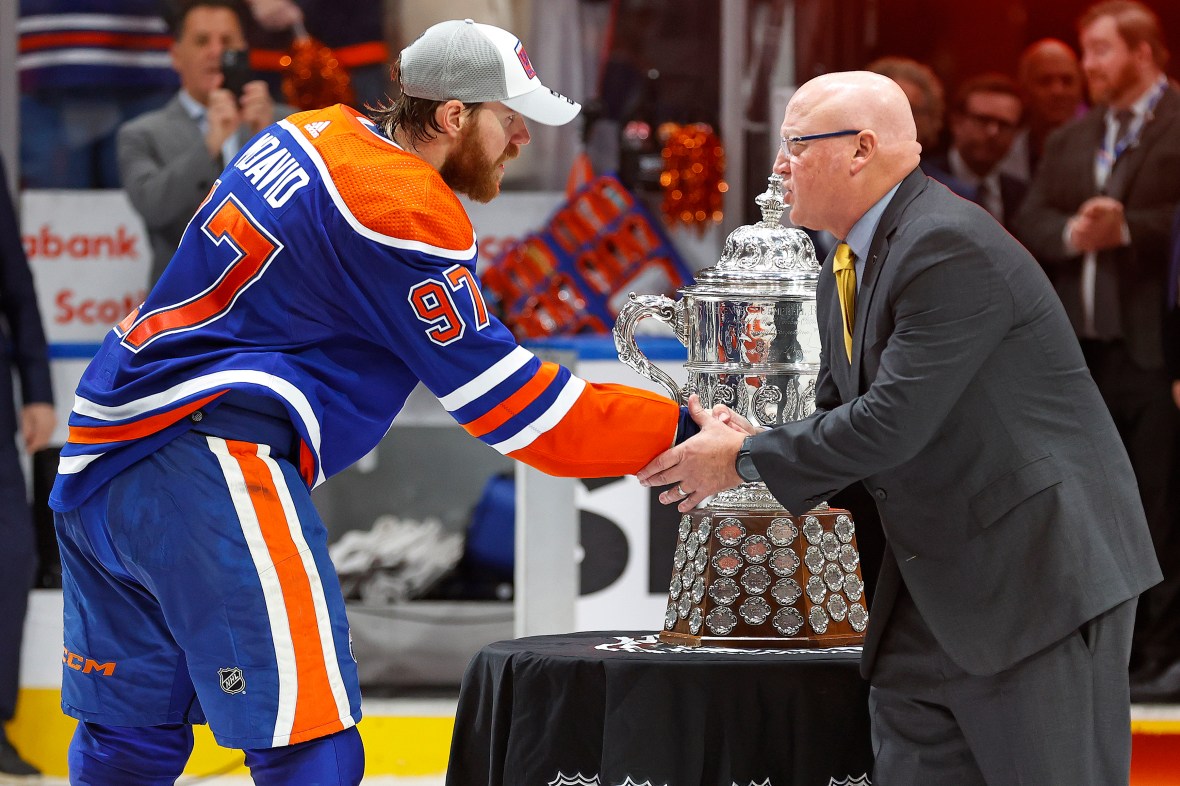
[315, 129]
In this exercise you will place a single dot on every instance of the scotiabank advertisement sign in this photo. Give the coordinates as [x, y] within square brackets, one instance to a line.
[90, 257]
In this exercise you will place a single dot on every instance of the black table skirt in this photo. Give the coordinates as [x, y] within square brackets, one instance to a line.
[614, 708]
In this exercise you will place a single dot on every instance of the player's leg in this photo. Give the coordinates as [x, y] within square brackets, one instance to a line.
[335, 760]
[245, 580]
[121, 666]
[103, 755]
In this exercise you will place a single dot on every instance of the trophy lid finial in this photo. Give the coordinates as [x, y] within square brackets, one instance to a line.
[765, 250]
[770, 201]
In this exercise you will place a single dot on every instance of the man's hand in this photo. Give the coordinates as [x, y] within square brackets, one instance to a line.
[276, 14]
[701, 465]
[223, 117]
[258, 108]
[726, 416]
[36, 425]
[1176, 393]
[1098, 225]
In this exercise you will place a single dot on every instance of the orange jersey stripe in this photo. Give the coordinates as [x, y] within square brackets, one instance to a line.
[611, 430]
[315, 707]
[268, 60]
[515, 403]
[97, 435]
[33, 42]
[368, 53]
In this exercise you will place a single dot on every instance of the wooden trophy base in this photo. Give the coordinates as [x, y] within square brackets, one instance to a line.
[766, 579]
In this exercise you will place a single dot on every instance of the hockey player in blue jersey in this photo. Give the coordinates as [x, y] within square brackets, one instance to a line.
[330, 269]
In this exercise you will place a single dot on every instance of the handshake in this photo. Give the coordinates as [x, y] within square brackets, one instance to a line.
[703, 464]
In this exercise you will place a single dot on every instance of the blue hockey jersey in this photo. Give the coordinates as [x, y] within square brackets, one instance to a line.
[329, 271]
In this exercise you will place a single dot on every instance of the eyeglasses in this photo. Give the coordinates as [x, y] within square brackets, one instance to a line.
[790, 145]
[989, 122]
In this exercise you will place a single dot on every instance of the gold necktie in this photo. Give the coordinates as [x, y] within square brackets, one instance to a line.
[845, 271]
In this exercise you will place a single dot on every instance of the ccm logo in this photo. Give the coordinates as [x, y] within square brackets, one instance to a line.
[86, 665]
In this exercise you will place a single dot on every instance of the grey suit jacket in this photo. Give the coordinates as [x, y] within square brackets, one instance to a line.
[166, 172]
[1007, 499]
[1146, 179]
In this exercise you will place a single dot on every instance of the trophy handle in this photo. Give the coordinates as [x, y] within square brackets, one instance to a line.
[640, 307]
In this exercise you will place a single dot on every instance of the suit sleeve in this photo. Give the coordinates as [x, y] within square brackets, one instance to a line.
[18, 306]
[948, 317]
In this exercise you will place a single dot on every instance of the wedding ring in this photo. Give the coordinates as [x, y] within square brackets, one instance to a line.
[681, 491]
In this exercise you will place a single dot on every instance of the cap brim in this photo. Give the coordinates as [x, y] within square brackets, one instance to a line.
[544, 106]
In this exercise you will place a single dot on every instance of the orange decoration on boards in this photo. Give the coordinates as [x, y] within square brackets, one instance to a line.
[693, 177]
[314, 77]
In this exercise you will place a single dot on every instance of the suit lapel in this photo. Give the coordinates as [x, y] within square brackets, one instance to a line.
[1131, 161]
[188, 132]
[913, 184]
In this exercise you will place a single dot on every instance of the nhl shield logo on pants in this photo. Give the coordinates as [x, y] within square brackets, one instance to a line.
[232, 680]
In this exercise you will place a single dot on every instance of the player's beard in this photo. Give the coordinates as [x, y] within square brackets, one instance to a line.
[469, 170]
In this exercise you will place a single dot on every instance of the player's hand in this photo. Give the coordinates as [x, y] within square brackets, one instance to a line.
[700, 466]
[36, 425]
[728, 417]
[258, 108]
[223, 117]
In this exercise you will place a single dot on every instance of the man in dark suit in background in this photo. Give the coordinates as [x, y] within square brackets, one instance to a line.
[1097, 217]
[985, 117]
[952, 386]
[22, 335]
[169, 158]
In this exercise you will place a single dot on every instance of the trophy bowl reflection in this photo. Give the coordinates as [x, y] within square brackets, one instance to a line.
[746, 572]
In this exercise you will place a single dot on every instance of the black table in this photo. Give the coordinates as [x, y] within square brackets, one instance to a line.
[615, 708]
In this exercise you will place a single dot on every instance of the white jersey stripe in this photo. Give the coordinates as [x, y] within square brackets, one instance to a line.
[40, 23]
[547, 420]
[504, 368]
[463, 255]
[272, 591]
[72, 465]
[323, 618]
[204, 384]
[93, 57]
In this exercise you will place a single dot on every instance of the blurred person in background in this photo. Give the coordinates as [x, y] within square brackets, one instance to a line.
[1098, 217]
[170, 158]
[86, 66]
[1050, 79]
[353, 29]
[983, 121]
[927, 100]
[23, 354]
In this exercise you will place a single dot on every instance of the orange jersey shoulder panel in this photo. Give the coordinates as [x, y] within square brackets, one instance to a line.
[387, 189]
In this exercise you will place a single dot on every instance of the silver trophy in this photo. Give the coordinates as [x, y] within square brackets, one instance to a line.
[749, 326]
[746, 571]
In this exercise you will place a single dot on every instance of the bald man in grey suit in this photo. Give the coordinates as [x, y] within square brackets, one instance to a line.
[999, 635]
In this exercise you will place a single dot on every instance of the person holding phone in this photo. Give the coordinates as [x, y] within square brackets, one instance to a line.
[169, 158]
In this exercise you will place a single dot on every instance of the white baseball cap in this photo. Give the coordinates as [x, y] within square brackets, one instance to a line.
[472, 62]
